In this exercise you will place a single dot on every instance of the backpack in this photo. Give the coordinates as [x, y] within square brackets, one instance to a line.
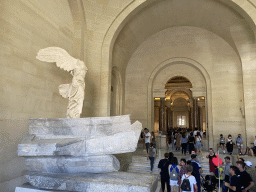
[185, 186]
[174, 173]
[151, 152]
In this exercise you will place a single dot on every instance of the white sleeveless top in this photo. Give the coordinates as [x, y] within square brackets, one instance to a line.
[198, 138]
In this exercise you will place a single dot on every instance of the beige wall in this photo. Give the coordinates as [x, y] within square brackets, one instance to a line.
[213, 53]
[29, 88]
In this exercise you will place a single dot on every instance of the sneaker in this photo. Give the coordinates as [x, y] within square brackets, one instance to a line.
[224, 151]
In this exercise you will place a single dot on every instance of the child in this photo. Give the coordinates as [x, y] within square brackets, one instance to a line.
[219, 175]
[188, 183]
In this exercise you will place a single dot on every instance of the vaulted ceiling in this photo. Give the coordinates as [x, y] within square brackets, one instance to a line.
[211, 15]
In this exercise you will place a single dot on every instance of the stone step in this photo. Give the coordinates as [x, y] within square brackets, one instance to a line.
[142, 166]
[143, 172]
[146, 169]
[144, 162]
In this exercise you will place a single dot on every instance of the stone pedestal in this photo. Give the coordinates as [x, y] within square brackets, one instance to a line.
[109, 182]
[76, 154]
[161, 142]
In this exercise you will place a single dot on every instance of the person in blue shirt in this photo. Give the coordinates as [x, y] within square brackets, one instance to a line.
[239, 143]
[197, 170]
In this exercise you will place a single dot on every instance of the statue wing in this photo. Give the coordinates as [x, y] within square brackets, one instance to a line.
[60, 56]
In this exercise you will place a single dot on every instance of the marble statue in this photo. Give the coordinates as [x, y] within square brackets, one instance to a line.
[75, 90]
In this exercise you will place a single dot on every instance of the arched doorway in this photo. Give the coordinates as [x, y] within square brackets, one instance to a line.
[178, 109]
[196, 40]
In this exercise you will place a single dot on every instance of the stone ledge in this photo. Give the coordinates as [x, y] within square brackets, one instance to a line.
[111, 182]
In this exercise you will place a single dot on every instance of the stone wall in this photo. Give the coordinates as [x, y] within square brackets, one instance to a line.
[29, 88]
[215, 55]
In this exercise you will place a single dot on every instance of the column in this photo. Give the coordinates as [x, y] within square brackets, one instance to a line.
[195, 112]
[199, 118]
[169, 114]
[162, 115]
[191, 115]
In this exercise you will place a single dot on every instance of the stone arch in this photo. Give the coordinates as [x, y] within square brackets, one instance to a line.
[207, 80]
[245, 8]
[117, 93]
[186, 91]
[195, 80]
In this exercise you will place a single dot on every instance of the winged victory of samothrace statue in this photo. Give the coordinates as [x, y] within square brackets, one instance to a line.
[75, 90]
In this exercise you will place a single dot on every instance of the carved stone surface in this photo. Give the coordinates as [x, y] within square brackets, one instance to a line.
[81, 137]
[92, 164]
[76, 154]
[83, 127]
[110, 182]
[118, 143]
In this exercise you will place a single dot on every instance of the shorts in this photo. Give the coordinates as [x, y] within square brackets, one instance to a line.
[239, 145]
[222, 144]
[198, 145]
[174, 182]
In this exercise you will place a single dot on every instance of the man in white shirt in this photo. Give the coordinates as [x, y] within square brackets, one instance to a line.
[147, 138]
[195, 132]
[191, 178]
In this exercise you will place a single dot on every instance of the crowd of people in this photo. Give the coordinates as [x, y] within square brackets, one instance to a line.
[185, 175]
[229, 144]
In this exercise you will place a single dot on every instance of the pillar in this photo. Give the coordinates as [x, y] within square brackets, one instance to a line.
[195, 107]
[191, 115]
[162, 115]
[169, 114]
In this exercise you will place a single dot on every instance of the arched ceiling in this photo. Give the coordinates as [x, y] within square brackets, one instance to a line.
[179, 95]
[211, 15]
[180, 102]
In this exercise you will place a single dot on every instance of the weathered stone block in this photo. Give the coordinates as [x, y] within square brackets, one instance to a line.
[46, 147]
[122, 142]
[92, 164]
[110, 182]
[83, 127]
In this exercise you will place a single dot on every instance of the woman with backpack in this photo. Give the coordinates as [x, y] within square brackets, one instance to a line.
[174, 170]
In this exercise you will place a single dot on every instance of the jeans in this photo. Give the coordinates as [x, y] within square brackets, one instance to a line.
[191, 147]
[224, 188]
[184, 147]
[152, 159]
[147, 146]
[167, 181]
